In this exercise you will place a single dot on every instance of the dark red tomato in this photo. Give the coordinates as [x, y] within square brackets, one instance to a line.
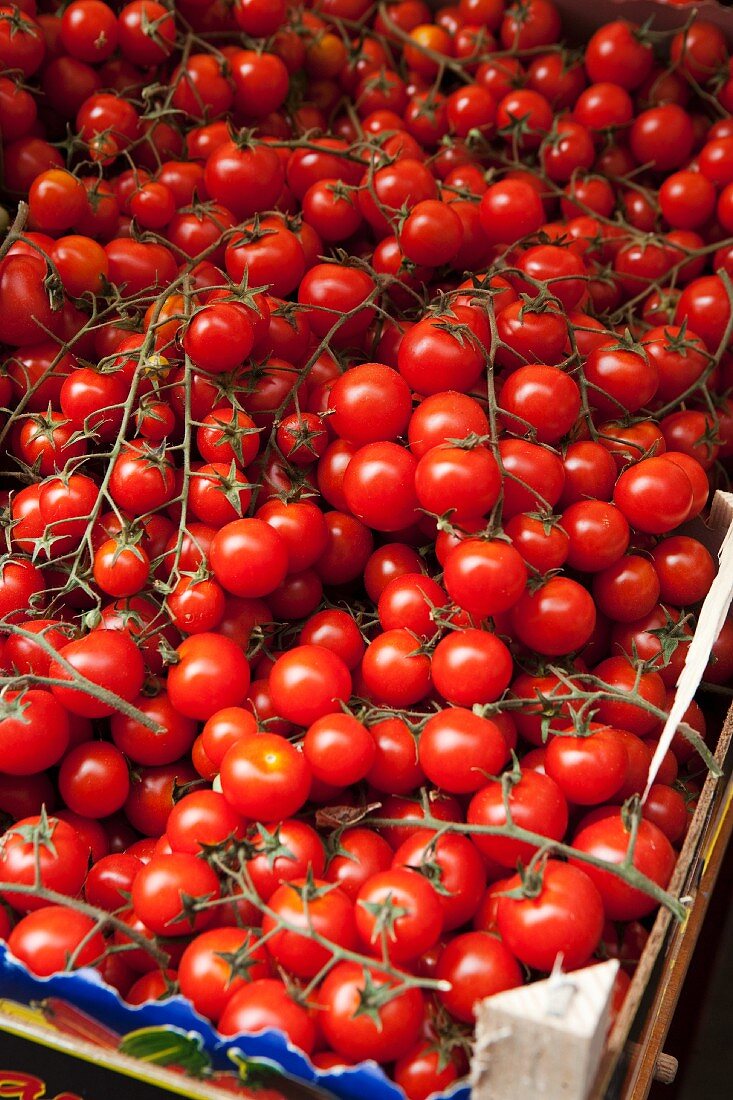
[476, 965]
[443, 416]
[244, 179]
[444, 807]
[536, 803]
[224, 729]
[21, 41]
[94, 780]
[720, 662]
[335, 630]
[28, 656]
[541, 543]
[395, 769]
[392, 189]
[270, 253]
[59, 852]
[620, 380]
[561, 915]
[662, 137]
[510, 210]
[666, 808]
[217, 964]
[328, 207]
[432, 359]
[105, 659]
[598, 535]
[432, 233]
[370, 403]
[26, 312]
[618, 54]
[260, 82]
[704, 305]
[265, 1003]
[172, 739]
[458, 749]
[653, 856]
[21, 585]
[339, 299]
[657, 637]
[170, 892]
[136, 42]
[347, 551]
[358, 1035]
[533, 477]
[95, 400]
[423, 1071]
[628, 589]
[142, 479]
[48, 939]
[265, 775]
[541, 398]
[157, 985]
[398, 912]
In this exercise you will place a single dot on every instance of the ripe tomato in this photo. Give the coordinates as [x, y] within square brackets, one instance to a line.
[201, 818]
[588, 769]
[458, 749]
[653, 856]
[216, 965]
[168, 893]
[56, 938]
[308, 683]
[265, 1003]
[263, 775]
[454, 866]
[34, 731]
[391, 1025]
[398, 913]
[106, 659]
[560, 915]
[536, 803]
[47, 844]
[94, 780]
[339, 749]
[211, 673]
[476, 965]
[313, 906]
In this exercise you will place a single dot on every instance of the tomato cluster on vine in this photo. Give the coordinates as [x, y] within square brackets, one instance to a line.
[359, 368]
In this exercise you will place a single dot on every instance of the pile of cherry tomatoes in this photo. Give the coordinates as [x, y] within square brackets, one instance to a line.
[358, 366]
